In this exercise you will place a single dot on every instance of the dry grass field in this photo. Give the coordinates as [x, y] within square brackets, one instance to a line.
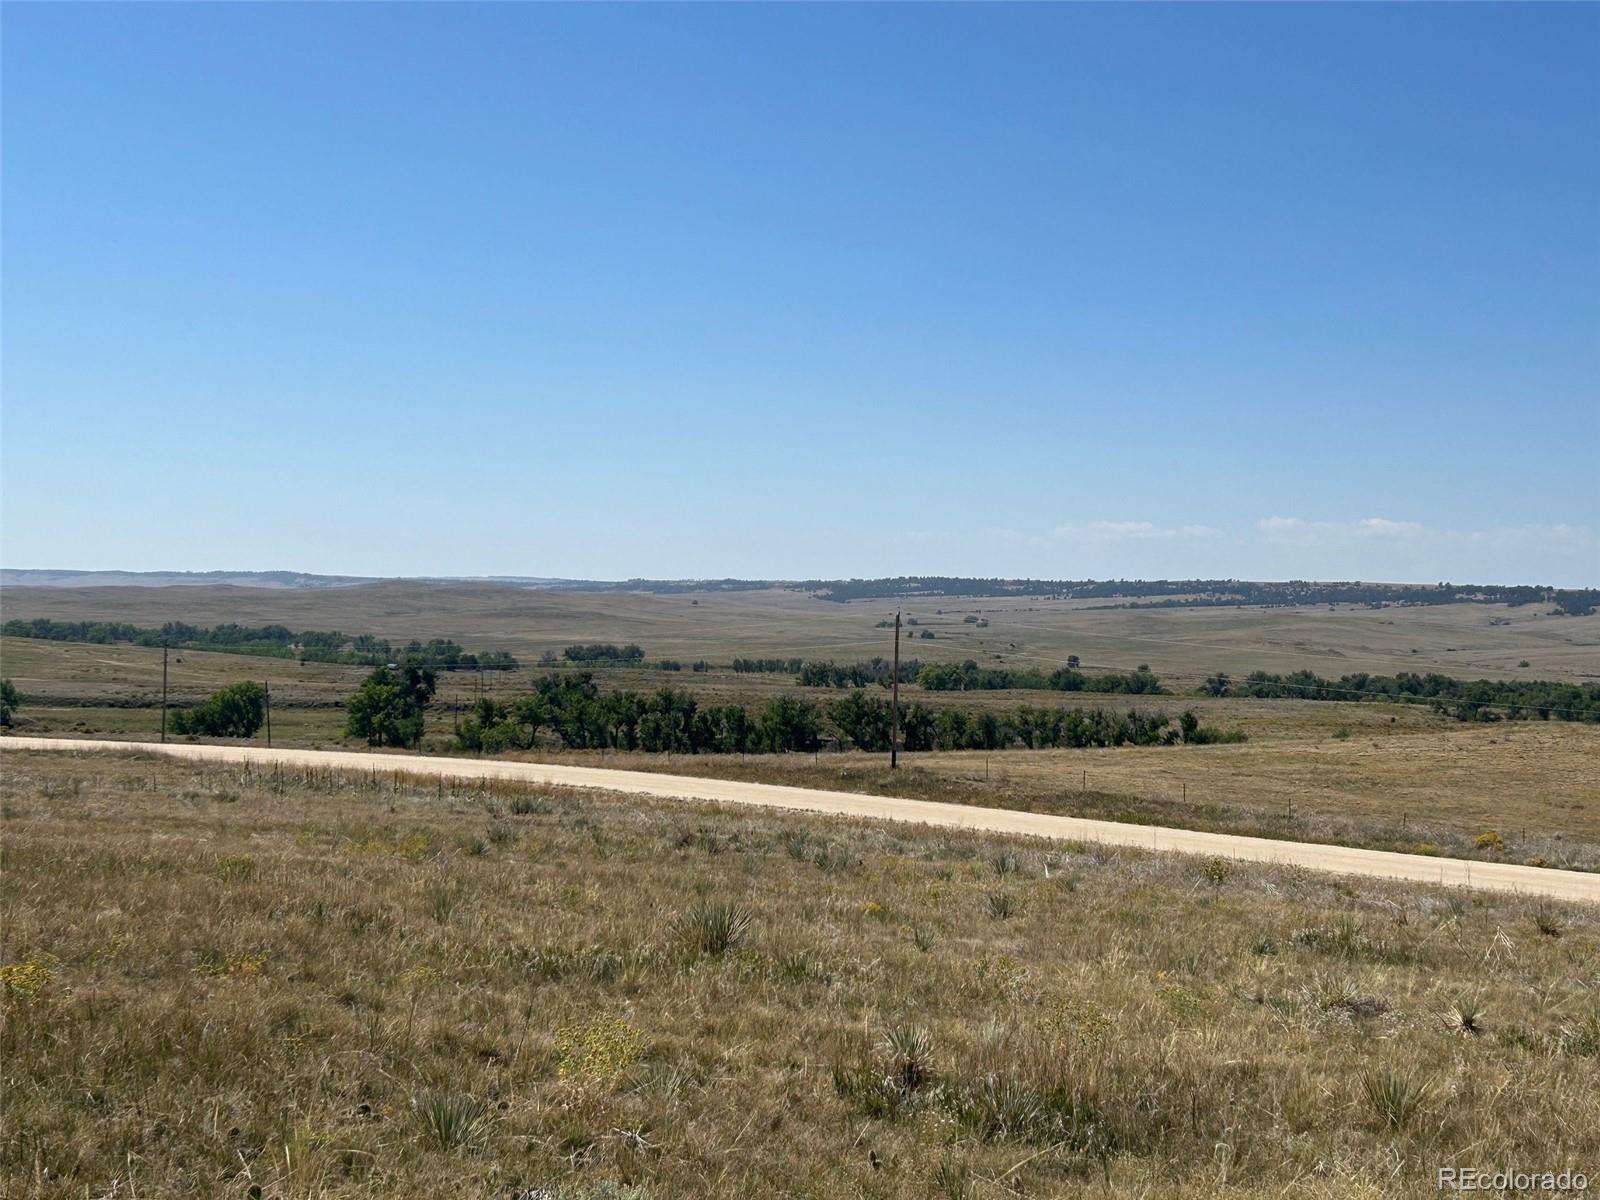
[1536, 786]
[219, 983]
[1388, 776]
[81, 673]
[1466, 640]
[1370, 774]
[1328, 772]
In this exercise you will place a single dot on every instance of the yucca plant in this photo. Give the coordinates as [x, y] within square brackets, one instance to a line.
[1002, 905]
[1465, 1016]
[1549, 921]
[909, 1050]
[1342, 994]
[714, 929]
[452, 1122]
[999, 1108]
[1395, 1098]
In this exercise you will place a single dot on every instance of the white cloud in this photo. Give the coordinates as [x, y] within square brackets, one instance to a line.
[1383, 527]
[1558, 536]
[1297, 531]
[1129, 531]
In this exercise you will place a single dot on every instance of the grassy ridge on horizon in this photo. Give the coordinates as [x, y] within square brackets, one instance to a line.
[1460, 640]
[1576, 601]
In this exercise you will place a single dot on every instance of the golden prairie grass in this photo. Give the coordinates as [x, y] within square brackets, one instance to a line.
[1466, 640]
[1370, 774]
[358, 988]
[1509, 792]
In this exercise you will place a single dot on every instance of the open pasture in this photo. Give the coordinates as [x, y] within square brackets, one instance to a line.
[1395, 776]
[343, 988]
[1463, 640]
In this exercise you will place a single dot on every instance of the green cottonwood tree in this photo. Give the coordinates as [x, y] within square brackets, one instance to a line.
[388, 708]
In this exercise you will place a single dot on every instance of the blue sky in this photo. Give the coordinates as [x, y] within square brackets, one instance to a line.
[1057, 291]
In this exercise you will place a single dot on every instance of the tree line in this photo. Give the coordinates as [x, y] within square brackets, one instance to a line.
[1579, 601]
[670, 720]
[865, 722]
[390, 709]
[1467, 700]
[1181, 592]
[605, 653]
[859, 674]
[970, 677]
[271, 641]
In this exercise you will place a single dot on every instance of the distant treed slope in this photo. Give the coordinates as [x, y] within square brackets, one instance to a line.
[1468, 700]
[1202, 592]
[21, 577]
[1154, 593]
[271, 641]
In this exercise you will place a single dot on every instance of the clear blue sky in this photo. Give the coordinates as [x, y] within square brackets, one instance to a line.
[1261, 291]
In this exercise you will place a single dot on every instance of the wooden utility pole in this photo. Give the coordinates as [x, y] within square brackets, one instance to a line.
[266, 688]
[894, 704]
[163, 691]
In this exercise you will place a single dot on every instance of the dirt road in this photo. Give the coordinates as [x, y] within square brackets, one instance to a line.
[1503, 877]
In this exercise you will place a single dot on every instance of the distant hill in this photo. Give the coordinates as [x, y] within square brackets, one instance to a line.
[29, 577]
[1115, 593]
[20, 577]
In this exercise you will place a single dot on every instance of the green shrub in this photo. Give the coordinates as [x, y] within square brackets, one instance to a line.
[237, 710]
[599, 1051]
